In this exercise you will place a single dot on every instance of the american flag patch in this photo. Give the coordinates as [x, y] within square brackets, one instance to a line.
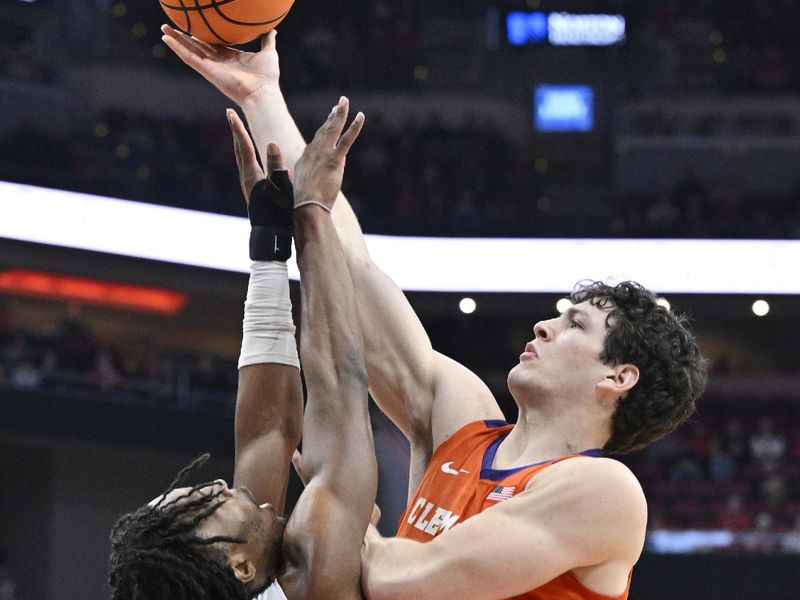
[501, 492]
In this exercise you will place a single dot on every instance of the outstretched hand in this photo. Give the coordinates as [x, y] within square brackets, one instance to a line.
[236, 74]
[318, 174]
[250, 172]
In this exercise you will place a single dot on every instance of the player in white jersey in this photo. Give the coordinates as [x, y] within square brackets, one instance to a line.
[273, 592]
[212, 541]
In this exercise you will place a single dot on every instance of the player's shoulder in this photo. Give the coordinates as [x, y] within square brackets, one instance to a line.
[598, 471]
[595, 479]
[596, 500]
[601, 467]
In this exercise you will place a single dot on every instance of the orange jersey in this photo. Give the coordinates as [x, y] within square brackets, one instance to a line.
[460, 483]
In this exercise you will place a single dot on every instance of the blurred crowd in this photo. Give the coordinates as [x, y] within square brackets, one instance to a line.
[376, 46]
[760, 39]
[696, 210]
[70, 361]
[734, 467]
[19, 62]
[750, 46]
[422, 178]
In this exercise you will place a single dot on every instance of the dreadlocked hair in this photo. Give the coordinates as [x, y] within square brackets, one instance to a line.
[157, 554]
[672, 371]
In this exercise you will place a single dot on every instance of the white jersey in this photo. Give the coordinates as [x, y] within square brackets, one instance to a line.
[273, 592]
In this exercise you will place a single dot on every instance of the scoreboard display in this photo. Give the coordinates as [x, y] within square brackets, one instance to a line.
[564, 29]
[563, 108]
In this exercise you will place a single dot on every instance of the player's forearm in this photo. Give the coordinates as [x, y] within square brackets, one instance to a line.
[395, 568]
[270, 121]
[398, 350]
[336, 420]
[280, 411]
[331, 344]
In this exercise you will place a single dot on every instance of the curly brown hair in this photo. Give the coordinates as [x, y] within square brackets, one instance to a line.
[672, 371]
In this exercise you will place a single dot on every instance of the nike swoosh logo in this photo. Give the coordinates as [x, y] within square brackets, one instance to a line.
[448, 468]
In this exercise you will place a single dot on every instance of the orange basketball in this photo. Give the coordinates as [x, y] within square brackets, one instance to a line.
[226, 21]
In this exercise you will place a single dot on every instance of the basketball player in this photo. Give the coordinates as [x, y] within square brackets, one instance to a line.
[497, 511]
[212, 541]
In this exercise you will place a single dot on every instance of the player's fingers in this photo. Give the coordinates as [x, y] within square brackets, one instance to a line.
[350, 135]
[186, 54]
[297, 463]
[249, 170]
[321, 131]
[193, 41]
[189, 44]
[376, 515]
[339, 117]
[238, 154]
[268, 40]
[332, 127]
[212, 49]
[274, 159]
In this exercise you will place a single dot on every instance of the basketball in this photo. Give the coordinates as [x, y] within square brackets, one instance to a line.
[226, 21]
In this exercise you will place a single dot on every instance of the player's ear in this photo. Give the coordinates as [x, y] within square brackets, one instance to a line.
[243, 568]
[620, 379]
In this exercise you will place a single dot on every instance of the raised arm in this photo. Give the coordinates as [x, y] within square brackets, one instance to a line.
[269, 403]
[339, 457]
[324, 535]
[268, 425]
[427, 395]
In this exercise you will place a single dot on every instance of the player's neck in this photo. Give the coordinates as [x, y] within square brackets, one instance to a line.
[536, 438]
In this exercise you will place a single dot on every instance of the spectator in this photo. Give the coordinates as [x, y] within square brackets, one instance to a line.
[734, 516]
[685, 470]
[16, 351]
[773, 490]
[721, 465]
[25, 375]
[766, 446]
[762, 538]
[733, 440]
[75, 346]
[106, 375]
[791, 541]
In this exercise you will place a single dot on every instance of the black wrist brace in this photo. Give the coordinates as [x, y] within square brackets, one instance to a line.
[271, 209]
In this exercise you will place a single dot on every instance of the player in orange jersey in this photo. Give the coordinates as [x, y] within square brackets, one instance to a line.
[531, 510]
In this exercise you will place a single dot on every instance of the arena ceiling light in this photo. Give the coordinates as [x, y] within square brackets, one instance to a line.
[94, 223]
[760, 308]
[563, 305]
[467, 306]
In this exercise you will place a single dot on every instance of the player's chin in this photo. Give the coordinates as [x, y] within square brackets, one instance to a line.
[273, 542]
[516, 376]
[272, 552]
[522, 377]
